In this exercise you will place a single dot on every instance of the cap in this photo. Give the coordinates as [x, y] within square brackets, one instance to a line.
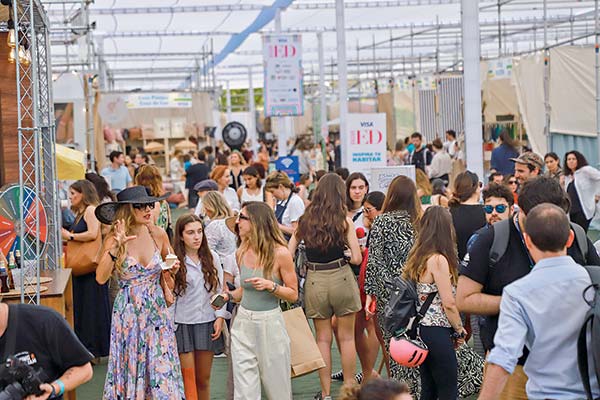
[206, 185]
[530, 158]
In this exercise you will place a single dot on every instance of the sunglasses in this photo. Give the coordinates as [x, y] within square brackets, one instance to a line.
[512, 182]
[369, 209]
[500, 208]
[143, 206]
[243, 217]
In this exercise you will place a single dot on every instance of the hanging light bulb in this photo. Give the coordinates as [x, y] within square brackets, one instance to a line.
[11, 38]
[24, 56]
[12, 56]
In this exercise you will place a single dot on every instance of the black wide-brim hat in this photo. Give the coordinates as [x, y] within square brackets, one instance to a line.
[132, 195]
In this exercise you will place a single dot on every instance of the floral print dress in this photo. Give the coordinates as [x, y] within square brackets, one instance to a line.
[143, 362]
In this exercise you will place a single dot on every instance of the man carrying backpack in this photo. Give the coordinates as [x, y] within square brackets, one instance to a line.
[544, 311]
[499, 257]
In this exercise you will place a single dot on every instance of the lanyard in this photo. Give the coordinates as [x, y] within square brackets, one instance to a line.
[531, 263]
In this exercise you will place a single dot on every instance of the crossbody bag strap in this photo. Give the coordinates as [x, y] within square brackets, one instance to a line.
[11, 338]
[420, 314]
[280, 214]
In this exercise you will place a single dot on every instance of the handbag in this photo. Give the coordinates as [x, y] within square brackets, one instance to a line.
[305, 354]
[83, 257]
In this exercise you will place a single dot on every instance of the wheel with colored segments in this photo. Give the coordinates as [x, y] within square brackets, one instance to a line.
[10, 224]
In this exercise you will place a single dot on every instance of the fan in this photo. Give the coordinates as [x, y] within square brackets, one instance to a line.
[10, 224]
[234, 135]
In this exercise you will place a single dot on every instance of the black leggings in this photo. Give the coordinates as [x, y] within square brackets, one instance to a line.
[439, 371]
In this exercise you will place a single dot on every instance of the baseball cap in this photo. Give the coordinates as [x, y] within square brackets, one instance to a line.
[206, 185]
[530, 158]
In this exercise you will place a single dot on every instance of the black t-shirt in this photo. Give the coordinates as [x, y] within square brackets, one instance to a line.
[194, 174]
[467, 219]
[45, 333]
[514, 264]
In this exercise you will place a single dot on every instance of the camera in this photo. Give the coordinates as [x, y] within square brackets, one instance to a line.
[18, 379]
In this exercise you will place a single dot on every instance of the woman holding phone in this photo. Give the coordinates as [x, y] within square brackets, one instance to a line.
[197, 283]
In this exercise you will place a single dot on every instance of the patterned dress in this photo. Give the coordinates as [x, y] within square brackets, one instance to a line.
[390, 240]
[143, 362]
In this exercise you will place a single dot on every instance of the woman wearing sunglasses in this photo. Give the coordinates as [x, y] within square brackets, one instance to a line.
[143, 361]
[260, 346]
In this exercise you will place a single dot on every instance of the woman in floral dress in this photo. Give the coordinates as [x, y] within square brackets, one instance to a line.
[143, 362]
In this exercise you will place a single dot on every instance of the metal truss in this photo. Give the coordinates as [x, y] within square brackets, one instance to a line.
[36, 137]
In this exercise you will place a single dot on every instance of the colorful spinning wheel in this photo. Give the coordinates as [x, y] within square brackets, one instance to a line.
[10, 240]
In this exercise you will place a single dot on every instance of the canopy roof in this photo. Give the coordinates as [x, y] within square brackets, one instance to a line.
[158, 45]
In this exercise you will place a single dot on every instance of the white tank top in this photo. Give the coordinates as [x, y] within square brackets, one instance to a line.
[250, 197]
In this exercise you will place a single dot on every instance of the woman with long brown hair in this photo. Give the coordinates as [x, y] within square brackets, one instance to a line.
[390, 239]
[330, 287]
[143, 361]
[91, 308]
[433, 265]
[260, 346]
[468, 215]
[199, 327]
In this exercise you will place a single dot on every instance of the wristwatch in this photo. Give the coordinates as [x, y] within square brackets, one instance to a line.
[71, 237]
[275, 286]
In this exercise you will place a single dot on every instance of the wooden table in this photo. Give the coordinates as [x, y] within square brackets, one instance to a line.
[59, 297]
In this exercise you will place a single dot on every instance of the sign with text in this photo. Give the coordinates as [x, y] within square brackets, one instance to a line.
[290, 165]
[367, 141]
[381, 177]
[283, 91]
[159, 100]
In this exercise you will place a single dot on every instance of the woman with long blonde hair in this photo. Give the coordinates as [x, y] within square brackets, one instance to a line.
[433, 265]
[260, 346]
[143, 361]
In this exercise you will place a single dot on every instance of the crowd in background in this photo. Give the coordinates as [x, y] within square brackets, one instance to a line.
[325, 243]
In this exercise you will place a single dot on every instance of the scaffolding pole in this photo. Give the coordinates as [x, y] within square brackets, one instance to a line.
[322, 90]
[342, 79]
[472, 87]
[597, 50]
[546, 82]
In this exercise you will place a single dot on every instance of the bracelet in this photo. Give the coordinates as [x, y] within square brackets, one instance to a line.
[53, 392]
[61, 385]
[113, 258]
[275, 286]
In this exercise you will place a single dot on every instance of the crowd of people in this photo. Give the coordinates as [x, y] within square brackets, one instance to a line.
[212, 282]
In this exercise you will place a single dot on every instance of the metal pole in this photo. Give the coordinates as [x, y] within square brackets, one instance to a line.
[322, 90]
[228, 102]
[358, 73]
[252, 110]
[472, 86]
[597, 49]
[414, 76]
[342, 79]
[546, 82]
[499, 29]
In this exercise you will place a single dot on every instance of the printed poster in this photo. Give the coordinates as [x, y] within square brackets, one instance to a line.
[367, 141]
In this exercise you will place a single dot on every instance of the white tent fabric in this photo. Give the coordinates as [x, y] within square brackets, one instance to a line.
[572, 91]
[528, 76]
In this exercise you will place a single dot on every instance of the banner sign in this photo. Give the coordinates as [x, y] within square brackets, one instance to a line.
[381, 177]
[290, 165]
[159, 100]
[283, 91]
[367, 142]
[500, 69]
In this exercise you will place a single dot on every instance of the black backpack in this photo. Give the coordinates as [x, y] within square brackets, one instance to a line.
[400, 312]
[592, 319]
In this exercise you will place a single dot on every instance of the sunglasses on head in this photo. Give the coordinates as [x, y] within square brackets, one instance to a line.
[143, 206]
[500, 208]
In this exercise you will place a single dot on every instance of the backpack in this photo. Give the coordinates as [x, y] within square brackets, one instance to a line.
[502, 233]
[592, 319]
[400, 312]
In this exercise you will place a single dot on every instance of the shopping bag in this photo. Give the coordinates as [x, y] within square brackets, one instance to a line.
[305, 354]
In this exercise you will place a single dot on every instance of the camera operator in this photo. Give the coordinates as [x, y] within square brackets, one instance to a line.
[60, 359]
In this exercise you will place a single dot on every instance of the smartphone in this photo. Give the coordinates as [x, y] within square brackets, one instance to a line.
[230, 286]
[218, 301]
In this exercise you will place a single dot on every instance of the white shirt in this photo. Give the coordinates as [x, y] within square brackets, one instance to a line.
[441, 164]
[193, 307]
[587, 185]
[294, 210]
[220, 239]
[252, 197]
[176, 169]
[231, 267]
[232, 198]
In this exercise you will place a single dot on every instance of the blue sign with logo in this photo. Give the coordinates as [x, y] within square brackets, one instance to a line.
[290, 165]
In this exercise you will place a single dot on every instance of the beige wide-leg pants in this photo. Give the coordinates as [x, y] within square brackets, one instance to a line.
[260, 353]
